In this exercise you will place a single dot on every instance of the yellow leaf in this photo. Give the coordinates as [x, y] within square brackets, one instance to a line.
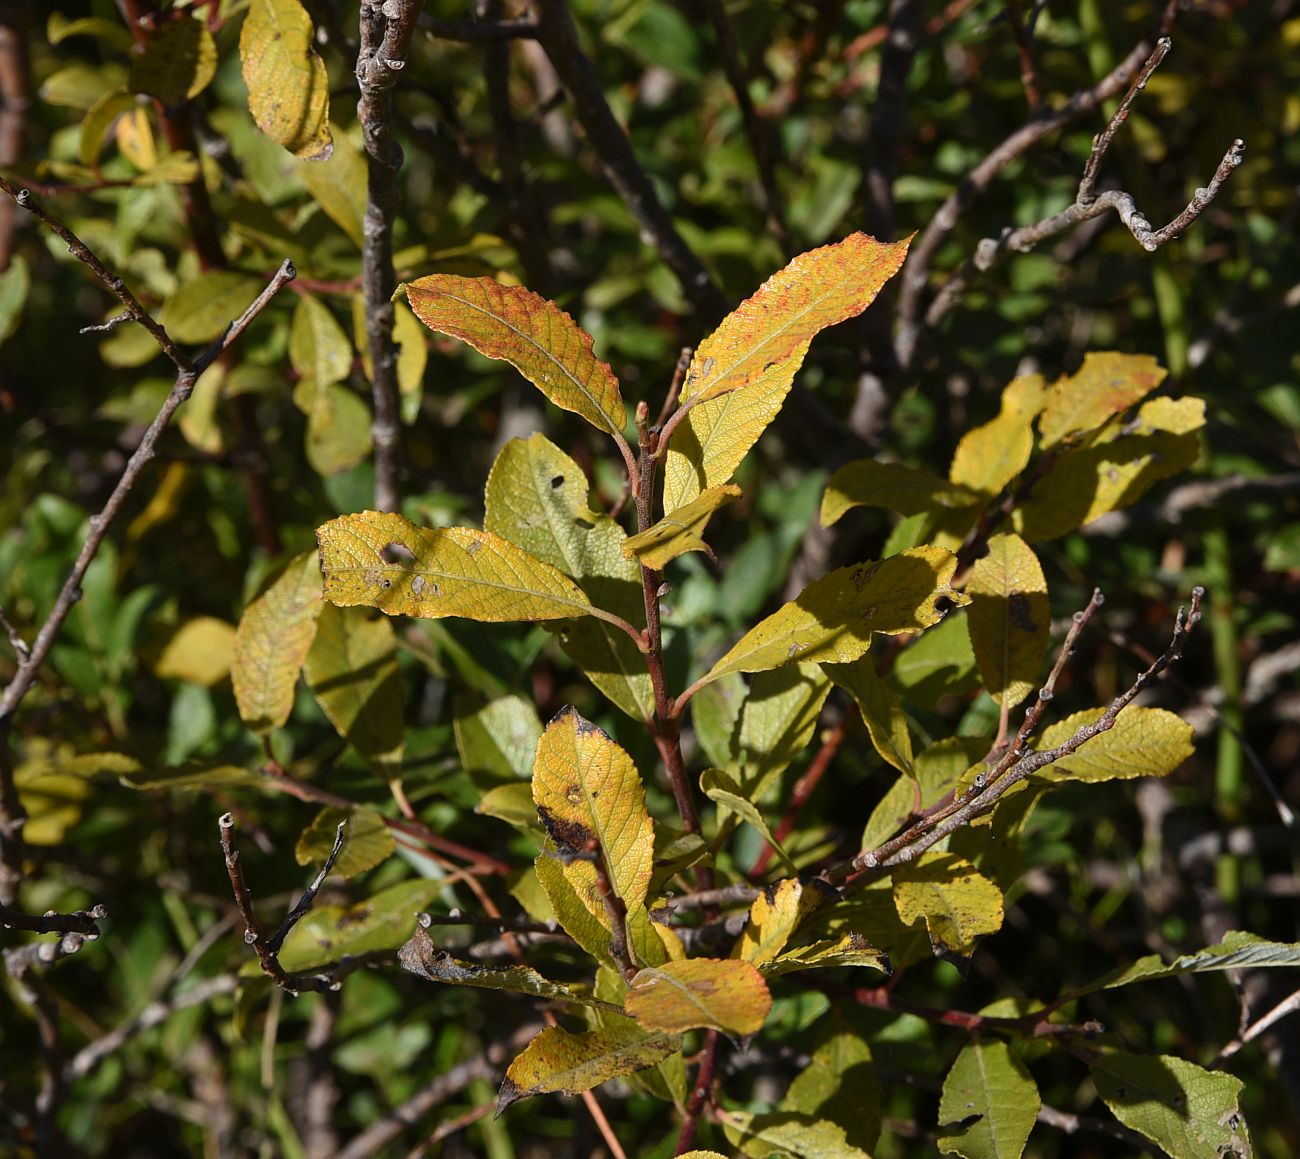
[536, 497]
[907, 490]
[832, 621]
[271, 643]
[679, 532]
[200, 651]
[1009, 618]
[782, 1133]
[1144, 742]
[957, 903]
[572, 1063]
[97, 121]
[288, 87]
[773, 917]
[758, 348]
[850, 949]
[535, 336]
[352, 670]
[587, 788]
[387, 562]
[990, 456]
[722, 994]
[178, 62]
[1105, 385]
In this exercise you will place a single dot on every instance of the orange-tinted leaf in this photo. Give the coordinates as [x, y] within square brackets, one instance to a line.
[535, 336]
[1106, 384]
[741, 373]
[726, 995]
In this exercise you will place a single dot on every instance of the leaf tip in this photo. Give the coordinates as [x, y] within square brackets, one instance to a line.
[508, 1093]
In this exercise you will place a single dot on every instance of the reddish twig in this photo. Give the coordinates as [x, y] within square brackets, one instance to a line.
[701, 1093]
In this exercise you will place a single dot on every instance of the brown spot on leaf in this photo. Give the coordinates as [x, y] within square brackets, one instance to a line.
[1020, 612]
[573, 840]
[355, 916]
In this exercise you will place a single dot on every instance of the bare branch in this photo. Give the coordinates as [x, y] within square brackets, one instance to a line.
[386, 29]
[557, 35]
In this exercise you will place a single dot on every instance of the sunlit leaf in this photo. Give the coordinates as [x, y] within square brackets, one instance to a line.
[990, 456]
[772, 919]
[907, 490]
[338, 183]
[1238, 951]
[271, 643]
[723, 994]
[1105, 385]
[572, 1063]
[1185, 1110]
[848, 949]
[366, 840]
[200, 651]
[535, 336]
[957, 904]
[990, 1083]
[751, 358]
[498, 737]
[288, 87]
[834, 618]
[1144, 742]
[352, 670]
[777, 723]
[681, 531]
[329, 933]
[1009, 618]
[587, 788]
[536, 497]
[387, 562]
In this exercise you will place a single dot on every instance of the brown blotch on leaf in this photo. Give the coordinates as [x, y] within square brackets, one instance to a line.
[573, 840]
[1020, 612]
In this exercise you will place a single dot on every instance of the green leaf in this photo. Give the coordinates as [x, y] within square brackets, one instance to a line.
[498, 737]
[387, 562]
[513, 804]
[1238, 951]
[1187, 1111]
[572, 1063]
[14, 284]
[338, 183]
[777, 722]
[1009, 618]
[724, 792]
[990, 1083]
[697, 993]
[681, 531]
[839, 1084]
[318, 347]
[330, 933]
[421, 956]
[366, 841]
[1144, 742]
[338, 428]
[751, 358]
[881, 711]
[535, 336]
[352, 670]
[1105, 385]
[989, 457]
[907, 490]
[193, 775]
[848, 949]
[111, 32]
[956, 903]
[938, 663]
[272, 641]
[834, 618]
[204, 306]
[98, 120]
[536, 497]
[586, 787]
[715, 713]
[782, 1133]
[288, 87]
[178, 62]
